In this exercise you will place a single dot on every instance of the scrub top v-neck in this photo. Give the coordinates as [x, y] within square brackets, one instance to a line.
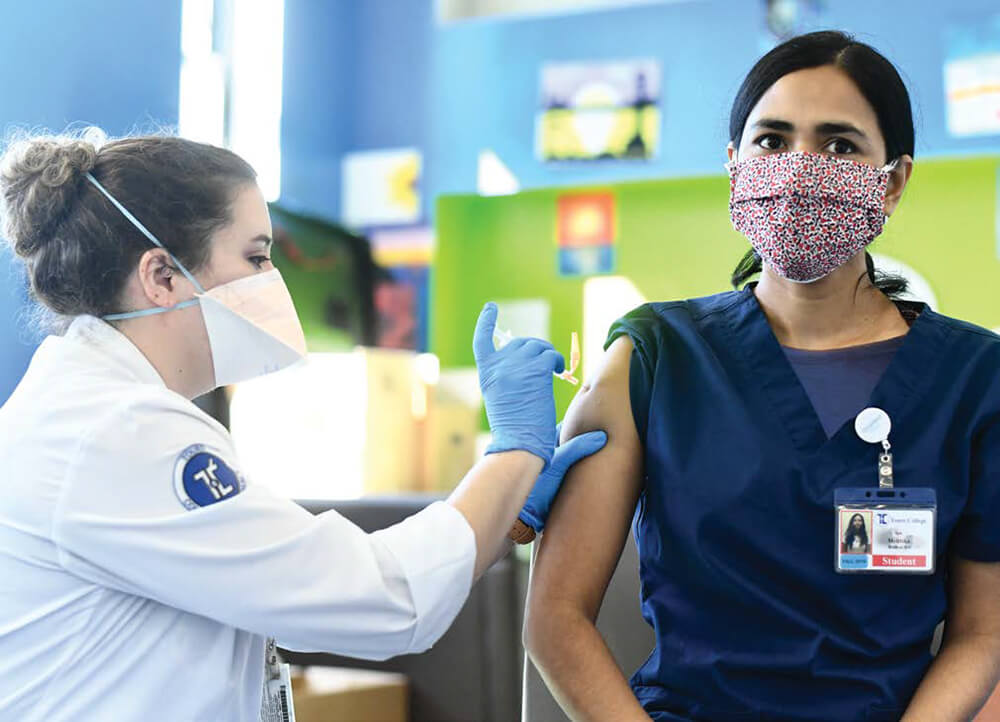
[840, 381]
[735, 522]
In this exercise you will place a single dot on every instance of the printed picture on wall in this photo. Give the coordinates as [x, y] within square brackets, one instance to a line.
[972, 78]
[381, 188]
[599, 111]
[586, 232]
[401, 286]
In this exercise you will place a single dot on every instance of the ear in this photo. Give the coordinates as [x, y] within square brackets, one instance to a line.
[898, 178]
[731, 151]
[158, 278]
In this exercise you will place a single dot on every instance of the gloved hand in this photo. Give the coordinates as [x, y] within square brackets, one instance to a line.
[516, 382]
[536, 510]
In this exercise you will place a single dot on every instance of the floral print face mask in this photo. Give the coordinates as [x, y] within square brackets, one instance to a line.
[807, 214]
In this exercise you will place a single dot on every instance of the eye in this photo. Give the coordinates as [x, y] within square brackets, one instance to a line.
[259, 261]
[839, 146]
[770, 141]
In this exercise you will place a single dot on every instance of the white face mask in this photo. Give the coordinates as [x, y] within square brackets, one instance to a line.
[252, 325]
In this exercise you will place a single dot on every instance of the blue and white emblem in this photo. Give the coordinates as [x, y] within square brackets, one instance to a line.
[202, 478]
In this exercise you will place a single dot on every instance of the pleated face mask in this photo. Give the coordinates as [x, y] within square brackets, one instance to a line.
[251, 322]
[807, 214]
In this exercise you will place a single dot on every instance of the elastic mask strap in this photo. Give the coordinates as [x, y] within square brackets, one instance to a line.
[145, 231]
[889, 167]
[149, 311]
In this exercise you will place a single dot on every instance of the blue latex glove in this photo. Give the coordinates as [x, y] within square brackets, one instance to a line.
[516, 382]
[536, 510]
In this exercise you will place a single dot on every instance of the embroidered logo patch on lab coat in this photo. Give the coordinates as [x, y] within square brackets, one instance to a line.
[202, 478]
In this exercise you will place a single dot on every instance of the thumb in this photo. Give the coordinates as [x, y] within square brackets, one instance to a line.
[482, 341]
[579, 447]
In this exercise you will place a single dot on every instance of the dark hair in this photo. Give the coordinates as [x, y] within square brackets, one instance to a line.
[78, 248]
[876, 78]
[850, 535]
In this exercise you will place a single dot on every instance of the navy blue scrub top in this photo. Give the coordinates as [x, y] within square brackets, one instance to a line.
[735, 523]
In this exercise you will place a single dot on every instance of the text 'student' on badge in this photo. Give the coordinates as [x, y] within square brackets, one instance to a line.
[873, 425]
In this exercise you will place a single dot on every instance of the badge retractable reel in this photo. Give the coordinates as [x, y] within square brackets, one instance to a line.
[276, 703]
[884, 529]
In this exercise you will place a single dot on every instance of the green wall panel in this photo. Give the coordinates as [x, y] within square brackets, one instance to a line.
[675, 241]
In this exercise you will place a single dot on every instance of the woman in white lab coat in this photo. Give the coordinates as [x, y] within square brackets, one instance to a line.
[142, 572]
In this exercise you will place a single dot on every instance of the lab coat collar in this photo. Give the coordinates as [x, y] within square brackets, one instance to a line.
[113, 345]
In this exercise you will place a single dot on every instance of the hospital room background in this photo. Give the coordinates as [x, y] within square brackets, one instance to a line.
[564, 158]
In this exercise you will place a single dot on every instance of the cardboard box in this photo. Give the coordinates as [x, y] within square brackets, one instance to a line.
[336, 694]
[450, 430]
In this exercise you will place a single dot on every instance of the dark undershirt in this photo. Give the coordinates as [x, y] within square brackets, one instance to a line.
[840, 382]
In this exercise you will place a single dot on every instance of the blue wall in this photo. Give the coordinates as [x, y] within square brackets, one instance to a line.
[111, 63]
[383, 73]
[455, 89]
[486, 78]
[318, 85]
[357, 76]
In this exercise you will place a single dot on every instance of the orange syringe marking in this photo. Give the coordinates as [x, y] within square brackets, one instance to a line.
[574, 360]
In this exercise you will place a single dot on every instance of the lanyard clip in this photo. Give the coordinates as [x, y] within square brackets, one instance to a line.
[885, 466]
[271, 667]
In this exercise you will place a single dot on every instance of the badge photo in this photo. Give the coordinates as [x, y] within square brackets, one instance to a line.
[203, 478]
[855, 531]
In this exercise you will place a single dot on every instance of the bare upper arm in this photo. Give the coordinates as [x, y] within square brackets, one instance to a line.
[590, 519]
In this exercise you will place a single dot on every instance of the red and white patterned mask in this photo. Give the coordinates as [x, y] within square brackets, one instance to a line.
[807, 214]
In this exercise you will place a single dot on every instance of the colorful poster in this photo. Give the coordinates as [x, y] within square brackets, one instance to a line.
[401, 295]
[403, 246]
[599, 111]
[401, 288]
[586, 234]
[972, 78]
[381, 188]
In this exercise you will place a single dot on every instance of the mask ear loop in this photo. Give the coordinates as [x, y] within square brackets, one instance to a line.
[889, 168]
[146, 232]
[730, 166]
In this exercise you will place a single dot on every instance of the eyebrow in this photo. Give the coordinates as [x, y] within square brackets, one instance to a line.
[262, 238]
[828, 128]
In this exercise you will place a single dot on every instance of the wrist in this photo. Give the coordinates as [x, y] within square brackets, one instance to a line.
[521, 461]
[537, 445]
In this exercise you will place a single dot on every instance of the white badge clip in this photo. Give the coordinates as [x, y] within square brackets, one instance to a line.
[873, 425]
[276, 703]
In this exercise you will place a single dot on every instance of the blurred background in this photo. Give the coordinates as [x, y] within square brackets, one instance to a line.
[561, 157]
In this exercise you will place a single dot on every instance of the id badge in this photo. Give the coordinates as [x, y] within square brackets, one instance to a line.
[885, 531]
[276, 703]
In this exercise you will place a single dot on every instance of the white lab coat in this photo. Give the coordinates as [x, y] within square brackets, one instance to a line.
[118, 602]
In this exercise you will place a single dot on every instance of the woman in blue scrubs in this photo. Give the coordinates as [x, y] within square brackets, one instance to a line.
[732, 433]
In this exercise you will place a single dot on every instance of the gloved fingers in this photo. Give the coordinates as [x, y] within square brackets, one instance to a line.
[577, 448]
[482, 341]
[516, 344]
[532, 519]
[530, 347]
[553, 360]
